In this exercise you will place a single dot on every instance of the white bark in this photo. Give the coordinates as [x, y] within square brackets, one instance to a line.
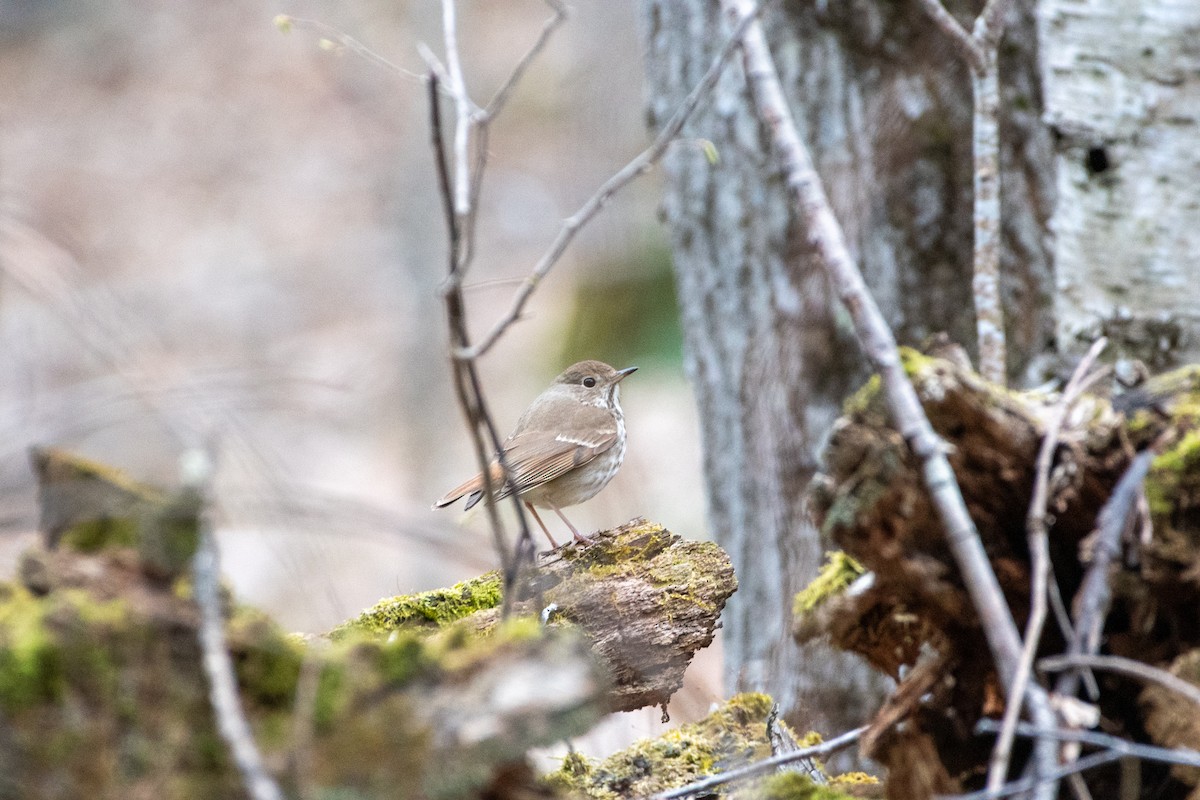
[1122, 88]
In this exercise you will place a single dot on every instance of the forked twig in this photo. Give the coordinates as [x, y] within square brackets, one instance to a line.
[979, 50]
[466, 379]
[642, 163]
[1037, 532]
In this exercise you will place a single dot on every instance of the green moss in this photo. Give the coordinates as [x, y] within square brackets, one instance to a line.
[91, 536]
[916, 363]
[795, 786]
[30, 661]
[733, 735]
[268, 661]
[864, 399]
[431, 609]
[1171, 471]
[835, 575]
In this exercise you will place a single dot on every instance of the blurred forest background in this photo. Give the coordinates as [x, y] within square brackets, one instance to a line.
[208, 224]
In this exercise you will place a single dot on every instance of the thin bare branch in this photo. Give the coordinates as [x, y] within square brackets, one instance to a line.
[218, 666]
[966, 45]
[344, 41]
[990, 24]
[763, 767]
[639, 165]
[1091, 602]
[1034, 783]
[1124, 666]
[1148, 752]
[466, 381]
[1037, 530]
[462, 105]
[496, 104]
[979, 51]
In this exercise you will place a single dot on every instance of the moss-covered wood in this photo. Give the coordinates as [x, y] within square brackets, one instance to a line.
[911, 609]
[732, 736]
[102, 694]
[646, 598]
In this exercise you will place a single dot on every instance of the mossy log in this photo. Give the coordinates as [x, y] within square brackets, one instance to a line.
[733, 735]
[899, 600]
[102, 694]
[646, 599]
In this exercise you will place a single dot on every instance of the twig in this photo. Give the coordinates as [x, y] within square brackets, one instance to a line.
[466, 380]
[639, 165]
[218, 666]
[763, 767]
[1149, 752]
[1124, 666]
[1091, 602]
[1038, 781]
[979, 51]
[966, 45]
[462, 105]
[286, 22]
[1039, 555]
[498, 100]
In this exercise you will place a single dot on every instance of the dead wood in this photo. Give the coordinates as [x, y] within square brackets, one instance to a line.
[646, 598]
[911, 606]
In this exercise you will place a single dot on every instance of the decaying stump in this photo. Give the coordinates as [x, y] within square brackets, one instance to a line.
[646, 599]
[911, 611]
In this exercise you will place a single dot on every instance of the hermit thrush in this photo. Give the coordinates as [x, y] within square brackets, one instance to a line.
[566, 447]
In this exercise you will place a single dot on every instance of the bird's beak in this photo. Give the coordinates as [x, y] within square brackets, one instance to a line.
[624, 373]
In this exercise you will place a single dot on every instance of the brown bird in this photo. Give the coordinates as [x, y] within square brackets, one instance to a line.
[566, 447]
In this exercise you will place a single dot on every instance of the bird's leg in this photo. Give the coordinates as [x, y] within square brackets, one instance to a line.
[579, 537]
[545, 530]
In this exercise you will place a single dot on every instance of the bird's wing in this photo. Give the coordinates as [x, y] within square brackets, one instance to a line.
[539, 456]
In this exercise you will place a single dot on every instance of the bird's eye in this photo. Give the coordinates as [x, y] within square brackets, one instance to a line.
[589, 381]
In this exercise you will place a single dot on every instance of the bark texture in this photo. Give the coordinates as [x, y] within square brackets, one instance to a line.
[884, 103]
[645, 598]
[1122, 88]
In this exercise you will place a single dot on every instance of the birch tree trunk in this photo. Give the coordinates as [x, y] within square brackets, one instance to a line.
[1122, 84]
[885, 106]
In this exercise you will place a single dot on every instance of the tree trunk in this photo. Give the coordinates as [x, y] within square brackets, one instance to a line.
[885, 106]
[1122, 86]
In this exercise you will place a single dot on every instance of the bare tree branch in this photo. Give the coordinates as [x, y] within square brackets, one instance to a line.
[1039, 556]
[1091, 602]
[1035, 783]
[1149, 752]
[979, 51]
[285, 22]
[767, 765]
[1124, 666]
[639, 165]
[966, 45]
[496, 104]
[218, 666]
[466, 380]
